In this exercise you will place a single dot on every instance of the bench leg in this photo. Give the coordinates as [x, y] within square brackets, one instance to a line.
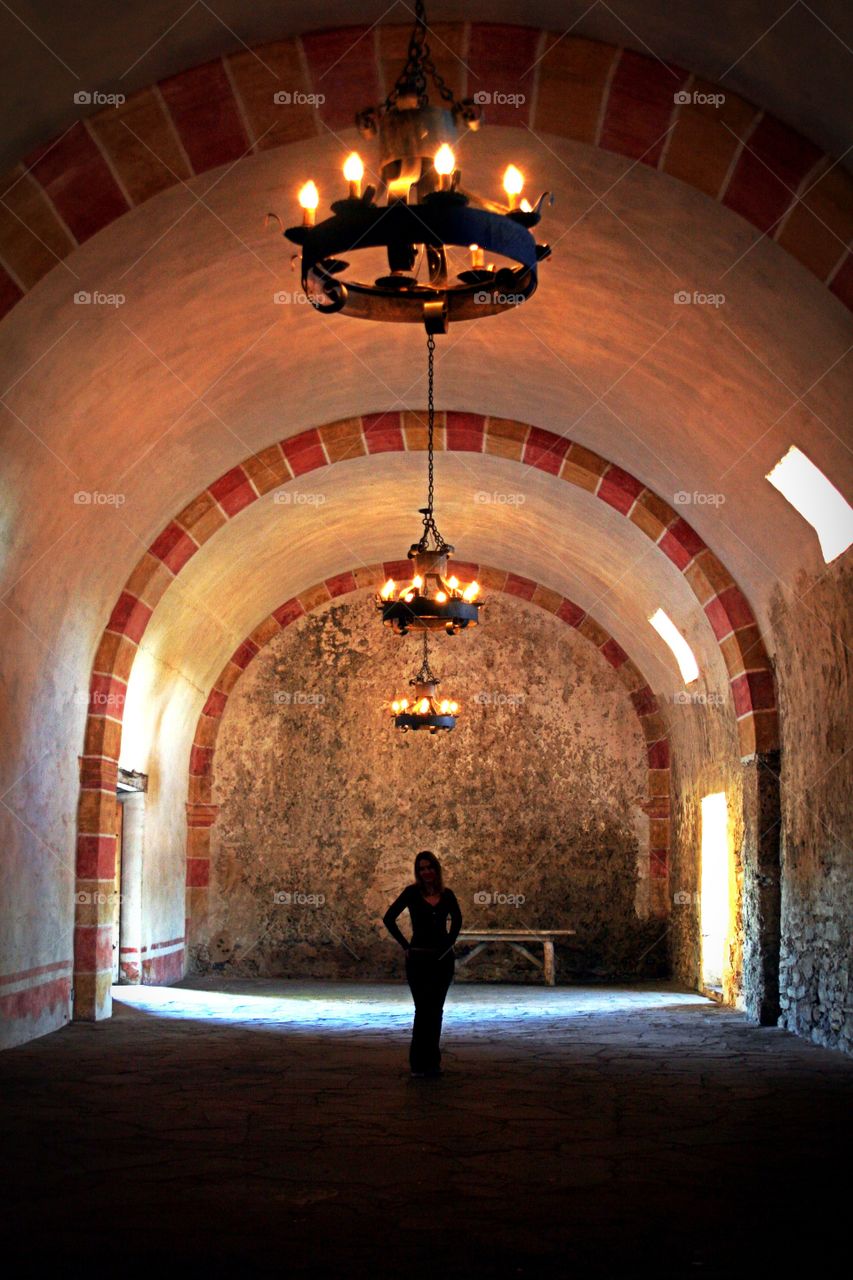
[468, 955]
[550, 974]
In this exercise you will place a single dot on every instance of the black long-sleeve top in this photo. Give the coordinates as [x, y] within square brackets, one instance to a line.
[429, 924]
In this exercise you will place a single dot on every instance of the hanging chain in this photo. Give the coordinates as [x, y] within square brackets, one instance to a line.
[425, 674]
[418, 67]
[429, 520]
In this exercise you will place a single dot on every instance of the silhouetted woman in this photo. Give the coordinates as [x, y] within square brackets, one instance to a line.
[430, 960]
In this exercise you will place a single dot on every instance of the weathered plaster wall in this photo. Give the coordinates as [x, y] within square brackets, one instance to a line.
[537, 792]
[815, 682]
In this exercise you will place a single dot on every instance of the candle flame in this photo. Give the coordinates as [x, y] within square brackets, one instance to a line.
[471, 591]
[353, 167]
[388, 590]
[513, 180]
[309, 196]
[445, 160]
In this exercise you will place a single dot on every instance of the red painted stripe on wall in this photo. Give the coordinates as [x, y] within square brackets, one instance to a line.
[23, 974]
[37, 1001]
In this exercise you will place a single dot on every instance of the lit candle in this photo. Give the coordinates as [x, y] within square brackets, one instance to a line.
[309, 198]
[398, 189]
[477, 257]
[354, 172]
[513, 183]
[445, 163]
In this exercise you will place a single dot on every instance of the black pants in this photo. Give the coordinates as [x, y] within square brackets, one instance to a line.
[429, 979]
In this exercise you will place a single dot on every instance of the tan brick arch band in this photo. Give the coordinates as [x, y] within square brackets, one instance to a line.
[726, 607]
[599, 94]
[202, 810]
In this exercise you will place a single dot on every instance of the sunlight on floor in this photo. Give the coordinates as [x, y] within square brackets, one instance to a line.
[335, 1005]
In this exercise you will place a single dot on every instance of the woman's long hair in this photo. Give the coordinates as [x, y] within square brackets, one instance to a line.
[436, 865]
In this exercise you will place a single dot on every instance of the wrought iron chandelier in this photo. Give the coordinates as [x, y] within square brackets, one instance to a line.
[424, 710]
[433, 599]
[426, 216]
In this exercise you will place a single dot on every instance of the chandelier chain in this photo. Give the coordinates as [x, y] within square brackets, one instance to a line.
[430, 526]
[418, 67]
[424, 675]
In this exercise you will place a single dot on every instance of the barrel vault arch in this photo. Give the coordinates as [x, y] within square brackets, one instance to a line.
[595, 93]
[724, 604]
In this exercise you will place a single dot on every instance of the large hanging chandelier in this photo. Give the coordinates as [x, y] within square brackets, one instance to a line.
[433, 599]
[426, 218]
[424, 709]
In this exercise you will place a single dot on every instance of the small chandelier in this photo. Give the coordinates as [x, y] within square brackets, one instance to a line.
[425, 214]
[433, 599]
[424, 710]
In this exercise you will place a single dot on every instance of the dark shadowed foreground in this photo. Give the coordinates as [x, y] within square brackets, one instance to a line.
[272, 1128]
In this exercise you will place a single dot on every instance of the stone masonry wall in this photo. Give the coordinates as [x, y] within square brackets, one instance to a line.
[813, 630]
[536, 794]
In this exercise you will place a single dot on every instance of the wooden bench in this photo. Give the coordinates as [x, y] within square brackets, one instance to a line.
[516, 939]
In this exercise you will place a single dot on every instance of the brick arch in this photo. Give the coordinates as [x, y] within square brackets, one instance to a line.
[599, 94]
[202, 810]
[726, 607]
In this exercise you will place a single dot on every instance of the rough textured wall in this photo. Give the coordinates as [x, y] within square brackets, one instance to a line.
[815, 682]
[536, 793]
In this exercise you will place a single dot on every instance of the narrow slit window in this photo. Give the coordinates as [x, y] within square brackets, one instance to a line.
[683, 654]
[816, 499]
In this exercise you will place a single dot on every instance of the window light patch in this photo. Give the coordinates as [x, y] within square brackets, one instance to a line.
[817, 500]
[681, 650]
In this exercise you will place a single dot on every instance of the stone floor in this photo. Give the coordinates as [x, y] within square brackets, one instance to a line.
[272, 1128]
